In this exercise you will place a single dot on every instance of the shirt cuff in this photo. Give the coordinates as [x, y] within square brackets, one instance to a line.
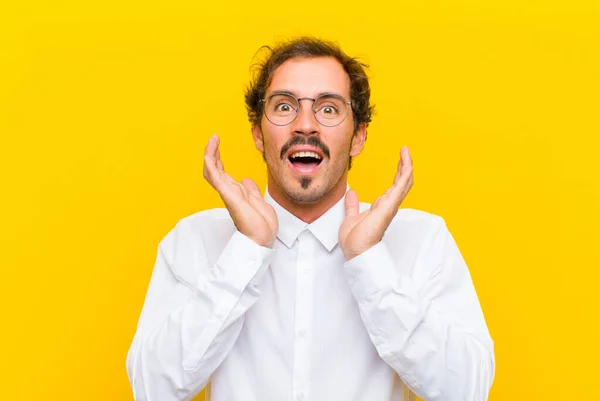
[241, 261]
[372, 271]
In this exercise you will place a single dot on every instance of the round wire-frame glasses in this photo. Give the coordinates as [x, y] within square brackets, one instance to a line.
[329, 109]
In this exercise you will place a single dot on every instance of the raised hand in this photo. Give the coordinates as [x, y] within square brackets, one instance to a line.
[361, 231]
[252, 216]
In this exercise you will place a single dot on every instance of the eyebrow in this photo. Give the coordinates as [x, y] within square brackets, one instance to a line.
[295, 94]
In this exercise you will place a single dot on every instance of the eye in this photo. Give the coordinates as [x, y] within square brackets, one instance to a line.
[283, 107]
[328, 110]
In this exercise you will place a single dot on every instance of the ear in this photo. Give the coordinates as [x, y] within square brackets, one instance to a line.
[358, 140]
[258, 138]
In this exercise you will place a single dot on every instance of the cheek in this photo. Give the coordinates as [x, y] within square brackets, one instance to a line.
[339, 146]
[272, 145]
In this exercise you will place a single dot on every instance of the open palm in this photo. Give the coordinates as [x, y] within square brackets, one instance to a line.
[251, 215]
[361, 231]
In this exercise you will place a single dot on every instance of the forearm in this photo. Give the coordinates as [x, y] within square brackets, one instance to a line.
[175, 361]
[432, 333]
[437, 359]
[185, 333]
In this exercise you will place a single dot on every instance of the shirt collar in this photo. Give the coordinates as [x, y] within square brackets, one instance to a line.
[325, 228]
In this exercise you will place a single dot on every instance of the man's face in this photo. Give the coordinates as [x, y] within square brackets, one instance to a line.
[305, 179]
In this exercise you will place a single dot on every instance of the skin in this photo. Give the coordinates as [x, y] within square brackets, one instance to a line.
[308, 78]
[308, 197]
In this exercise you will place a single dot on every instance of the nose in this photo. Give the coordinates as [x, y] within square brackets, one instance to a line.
[305, 123]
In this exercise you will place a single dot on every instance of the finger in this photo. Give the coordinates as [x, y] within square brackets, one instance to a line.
[231, 181]
[211, 146]
[251, 186]
[351, 202]
[405, 156]
[405, 160]
[398, 172]
[404, 165]
[397, 192]
[401, 187]
[216, 151]
[219, 163]
[209, 156]
[408, 187]
[220, 166]
[401, 162]
[215, 177]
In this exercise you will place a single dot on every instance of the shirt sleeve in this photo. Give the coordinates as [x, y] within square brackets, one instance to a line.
[431, 332]
[185, 331]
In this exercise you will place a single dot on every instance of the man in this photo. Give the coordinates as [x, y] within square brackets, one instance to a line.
[305, 293]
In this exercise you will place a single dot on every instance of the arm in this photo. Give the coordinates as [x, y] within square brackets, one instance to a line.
[430, 329]
[185, 331]
[187, 328]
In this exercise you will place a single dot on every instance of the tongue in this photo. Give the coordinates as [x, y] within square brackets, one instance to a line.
[305, 167]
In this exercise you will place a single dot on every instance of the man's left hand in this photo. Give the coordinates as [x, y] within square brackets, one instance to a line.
[361, 231]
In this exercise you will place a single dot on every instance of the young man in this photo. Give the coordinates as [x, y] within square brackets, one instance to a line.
[305, 293]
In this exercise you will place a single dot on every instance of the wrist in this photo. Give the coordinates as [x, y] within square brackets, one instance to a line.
[351, 253]
[266, 242]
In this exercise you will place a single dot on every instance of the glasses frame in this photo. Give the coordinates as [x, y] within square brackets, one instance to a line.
[314, 100]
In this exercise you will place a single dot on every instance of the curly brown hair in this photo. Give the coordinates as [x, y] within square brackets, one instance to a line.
[309, 47]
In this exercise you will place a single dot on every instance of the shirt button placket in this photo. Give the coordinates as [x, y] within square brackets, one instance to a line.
[303, 316]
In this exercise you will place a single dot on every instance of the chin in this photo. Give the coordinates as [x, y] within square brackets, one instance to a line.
[312, 193]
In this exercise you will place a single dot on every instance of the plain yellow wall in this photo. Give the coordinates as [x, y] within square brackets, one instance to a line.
[105, 109]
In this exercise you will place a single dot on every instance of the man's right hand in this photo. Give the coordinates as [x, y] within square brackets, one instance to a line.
[252, 216]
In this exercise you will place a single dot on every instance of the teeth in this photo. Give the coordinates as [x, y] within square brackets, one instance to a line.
[306, 154]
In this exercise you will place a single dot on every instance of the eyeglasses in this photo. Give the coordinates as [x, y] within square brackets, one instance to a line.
[329, 109]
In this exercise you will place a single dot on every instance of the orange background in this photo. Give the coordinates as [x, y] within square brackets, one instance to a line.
[105, 109]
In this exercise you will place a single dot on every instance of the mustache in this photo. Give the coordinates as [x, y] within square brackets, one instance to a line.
[303, 140]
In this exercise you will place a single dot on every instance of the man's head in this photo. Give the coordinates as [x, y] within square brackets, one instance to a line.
[308, 144]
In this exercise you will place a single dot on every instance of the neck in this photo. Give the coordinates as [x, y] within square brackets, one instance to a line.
[308, 211]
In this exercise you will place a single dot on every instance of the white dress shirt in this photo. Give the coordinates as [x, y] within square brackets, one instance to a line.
[298, 322]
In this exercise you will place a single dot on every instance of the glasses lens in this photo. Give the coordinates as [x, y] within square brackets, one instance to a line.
[281, 109]
[331, 110]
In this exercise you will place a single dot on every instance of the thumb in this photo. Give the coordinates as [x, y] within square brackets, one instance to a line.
[351, 202]
[251, 187]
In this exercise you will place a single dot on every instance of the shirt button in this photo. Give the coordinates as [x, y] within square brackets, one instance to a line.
[413, 382]
[305, 270]
[300, 396]
[302, 332]
[251, 263]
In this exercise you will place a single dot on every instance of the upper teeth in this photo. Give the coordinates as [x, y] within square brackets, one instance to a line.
[306, 154]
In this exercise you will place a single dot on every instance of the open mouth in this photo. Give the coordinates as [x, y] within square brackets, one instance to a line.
[305, 162]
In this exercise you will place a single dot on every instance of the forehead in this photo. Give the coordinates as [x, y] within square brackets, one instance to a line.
[310, 77]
